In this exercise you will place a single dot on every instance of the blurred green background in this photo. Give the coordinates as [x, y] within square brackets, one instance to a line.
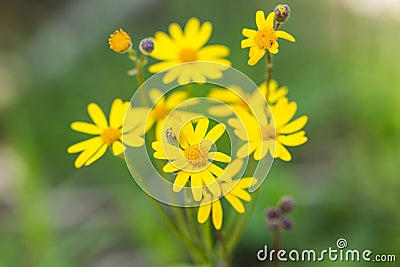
[343, 71]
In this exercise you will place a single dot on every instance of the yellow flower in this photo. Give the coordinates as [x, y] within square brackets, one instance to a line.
[238, 98]
[232, 190]
[163, 107]
[188, 46]
[270, 136]
[106, 134]
[119, 41]
[193, 159]
[264, 39]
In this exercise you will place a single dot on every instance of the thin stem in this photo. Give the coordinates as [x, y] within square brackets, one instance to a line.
[225, 251]
[276, 239]
[268, 61]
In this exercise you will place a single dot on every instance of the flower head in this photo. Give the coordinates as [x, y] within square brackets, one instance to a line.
[233, 190]
[265, 38]
[282, 13]
[271, 136]
[188, 46]
[106, 134]
[193, 158]
[146, 46]
[119, 41]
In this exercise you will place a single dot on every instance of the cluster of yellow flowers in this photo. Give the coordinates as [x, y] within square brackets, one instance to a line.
[190, 152]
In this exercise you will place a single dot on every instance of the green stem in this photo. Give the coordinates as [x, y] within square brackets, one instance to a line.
[268, 61]
[276, 239]
[225, 251]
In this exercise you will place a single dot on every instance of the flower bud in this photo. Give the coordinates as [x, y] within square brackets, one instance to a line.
[273, 224]
[272, 213]
[282, 13]
[287, 224]
[171, 137]
[120, 41]
[286, 204]
[146, 46]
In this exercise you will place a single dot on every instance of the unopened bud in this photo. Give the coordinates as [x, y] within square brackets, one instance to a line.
[171, 137]
[146, 46]
[286, 204]
[272, 213]
[282, 13]
[287, 224]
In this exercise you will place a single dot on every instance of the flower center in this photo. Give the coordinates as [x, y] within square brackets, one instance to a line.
[196, 155]
[187, 55]
[265, 38]
[110, 135]
[159, 112]
[268, 132]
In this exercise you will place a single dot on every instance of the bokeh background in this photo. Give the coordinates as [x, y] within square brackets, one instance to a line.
[343, 71]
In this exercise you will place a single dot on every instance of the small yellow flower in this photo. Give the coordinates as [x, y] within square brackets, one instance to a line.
[270, 136]
[236, 97]
[264, 39]
[193, 159]
[232, 190]
[188, 45]
[106, 134]
[119, 41]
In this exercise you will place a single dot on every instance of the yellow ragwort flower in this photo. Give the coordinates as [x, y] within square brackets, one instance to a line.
[236, 97]
[188, 45]
[264, 39]
[193, 159]
[119, 41]
[106, 134]
[270, 136]
[234, 191]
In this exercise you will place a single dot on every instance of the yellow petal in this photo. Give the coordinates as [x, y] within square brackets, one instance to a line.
[274, 48]
[217, 171]
[117, 148]
[269, 22]
[169, 167]
[176, 32]
[285, 35]
[117, 113]
[260, 19]
[261, 151]
[247, 43]
[216, 132]
[191, 30]
[282, 153]
[258, 54]
[162, 66]
[156, 96]
[204, 34]
[294, 126]
[204, 211]
[171, 75]
[97, 155]
[217, 214]
[97, 116]
[249, 33]
[219, 156]
[165, 48]
[201, 129]
[296, 139]
[210, 52]
[235, 202]
[175, 99]
[184, 77]
[180, 181]
[88, 152]
[84, 145]
[133, 140]
[85, 127]
[283, 111]
[211, 183]
[188, 133]
[241, 193]
[246, 150]
[196, 185]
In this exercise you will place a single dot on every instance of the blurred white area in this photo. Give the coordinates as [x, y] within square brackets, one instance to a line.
[75, 29]
[12, 169]
[375, 8]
